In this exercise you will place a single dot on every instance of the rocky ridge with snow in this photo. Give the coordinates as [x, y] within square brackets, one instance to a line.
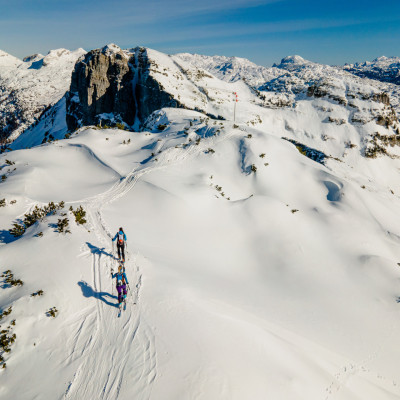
[384, 69]
[111, 85]
[29, 88]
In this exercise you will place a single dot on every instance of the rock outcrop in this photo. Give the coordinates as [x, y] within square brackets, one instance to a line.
[101, 89]
[150, 93]
[111, 86]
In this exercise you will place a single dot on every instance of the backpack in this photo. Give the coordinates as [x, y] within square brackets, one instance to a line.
[123, 282]
[120, 238]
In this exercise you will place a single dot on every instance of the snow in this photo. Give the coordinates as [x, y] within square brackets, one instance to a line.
[8, 61]
[35, 84]
[291, 62]
[239, 298]
[281, 283]
[232, 69]
[111, 48]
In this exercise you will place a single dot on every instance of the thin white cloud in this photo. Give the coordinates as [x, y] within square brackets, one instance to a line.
[221, 31]
[158, 10]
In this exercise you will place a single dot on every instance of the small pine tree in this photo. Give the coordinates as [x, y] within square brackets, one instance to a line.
[18, 230]
[79, 214]
[62, 225]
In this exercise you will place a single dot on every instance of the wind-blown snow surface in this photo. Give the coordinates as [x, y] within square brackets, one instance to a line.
[281, 283]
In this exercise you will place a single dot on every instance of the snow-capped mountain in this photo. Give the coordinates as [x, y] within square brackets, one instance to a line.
[232, 69]
[29, 87]
[263, 235]
[384, 69]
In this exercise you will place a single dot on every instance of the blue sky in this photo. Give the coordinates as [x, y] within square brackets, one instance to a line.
[264, 31]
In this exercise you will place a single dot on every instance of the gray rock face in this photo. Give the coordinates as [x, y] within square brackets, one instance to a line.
[110, 85]
[101, 84]
[382, 98]
[149, 92]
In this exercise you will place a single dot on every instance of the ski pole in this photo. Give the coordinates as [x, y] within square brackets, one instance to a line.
[130, 291]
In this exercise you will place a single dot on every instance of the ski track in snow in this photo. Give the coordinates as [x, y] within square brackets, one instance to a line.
[359, 369]
[119, 352]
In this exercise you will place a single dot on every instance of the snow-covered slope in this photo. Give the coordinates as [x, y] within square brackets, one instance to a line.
[254, 271]
[263, 253]
[28, 88]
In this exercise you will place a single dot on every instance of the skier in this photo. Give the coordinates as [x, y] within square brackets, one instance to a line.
[122, 281]
[120, 235]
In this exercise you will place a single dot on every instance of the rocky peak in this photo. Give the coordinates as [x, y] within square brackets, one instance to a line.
[101, 84]
[111, 49]
[291, 62]
[33, 57]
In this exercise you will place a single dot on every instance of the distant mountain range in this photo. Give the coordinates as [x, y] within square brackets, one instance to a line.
[45, 97]
[384, 69]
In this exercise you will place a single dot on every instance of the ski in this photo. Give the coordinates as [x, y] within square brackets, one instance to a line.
[124, 305]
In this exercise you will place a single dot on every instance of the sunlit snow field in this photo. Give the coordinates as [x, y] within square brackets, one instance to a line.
[278, 283]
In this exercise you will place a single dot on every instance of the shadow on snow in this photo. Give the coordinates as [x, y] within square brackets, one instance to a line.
[97, 250]
[6, 237]
[88, 291]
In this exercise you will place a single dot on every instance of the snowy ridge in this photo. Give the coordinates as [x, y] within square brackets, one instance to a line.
[7, 61]
[28, 88]
[232, 69]
[384, 69]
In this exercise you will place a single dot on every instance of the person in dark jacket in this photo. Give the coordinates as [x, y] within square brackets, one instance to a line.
[120, 237]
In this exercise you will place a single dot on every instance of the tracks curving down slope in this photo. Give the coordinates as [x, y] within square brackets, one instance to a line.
[115, 358]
